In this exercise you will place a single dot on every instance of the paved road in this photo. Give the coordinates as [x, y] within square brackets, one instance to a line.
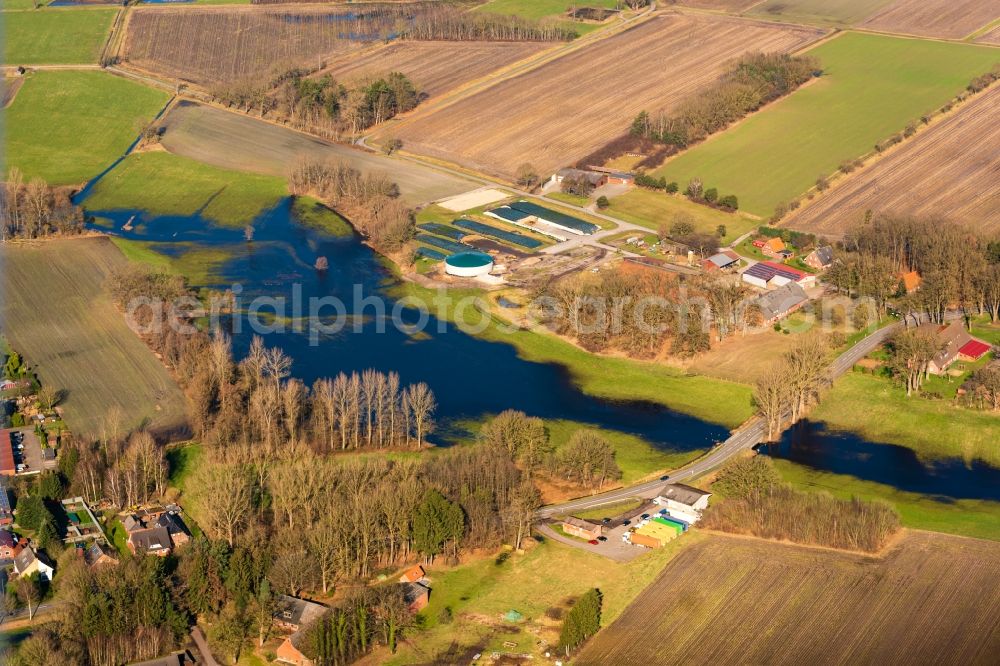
[745, 437]
[206, 654]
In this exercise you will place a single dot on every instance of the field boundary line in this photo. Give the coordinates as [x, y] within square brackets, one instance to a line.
[887, 549]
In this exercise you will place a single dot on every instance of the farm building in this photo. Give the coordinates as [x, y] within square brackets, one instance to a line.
[150, 541]
[768, 275]
[773, 247]
[413, 574]
[7, 467]
[684, 500]
[28, 562]
[725, 260]
[616, 177]
[290, 650]
[415, 595]
[820, 259]
[6, 516]
[543, 220]
[468, 264]
[594, 178]
[96, 554]
[582, 528]
[781, 302]
[957, 344]
[294, 614]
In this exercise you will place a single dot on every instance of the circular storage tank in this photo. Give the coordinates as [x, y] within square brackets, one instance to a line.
[468, 264]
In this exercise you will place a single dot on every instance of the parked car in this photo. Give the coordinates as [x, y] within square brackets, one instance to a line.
[664, 478]
[602, 538]
[605, 521]
[593, 542]
[644, 516]
[626, 522]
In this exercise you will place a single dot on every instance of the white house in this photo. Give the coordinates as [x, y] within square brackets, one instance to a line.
[682, 501]
[27, 562]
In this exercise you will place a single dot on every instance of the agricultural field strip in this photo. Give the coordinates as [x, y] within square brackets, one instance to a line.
[961, 150]
[991, 36]
[952, 19]
[568, 107]
[223, 45]
[56, 313]
[434, 67]
[233, 140]
[931, 598]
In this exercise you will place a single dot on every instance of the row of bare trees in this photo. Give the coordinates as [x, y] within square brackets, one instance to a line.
[445, 22]
[33, 209]
[785, 390]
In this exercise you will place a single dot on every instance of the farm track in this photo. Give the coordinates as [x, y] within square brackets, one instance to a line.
[951, 169]
[730, 600]
[950, 19]
[554, 114]
[57, 314]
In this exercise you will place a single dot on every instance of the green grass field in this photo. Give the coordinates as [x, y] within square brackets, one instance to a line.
[545, 577]
[166, 184]
[872, 87]
[55, 36]
[66, 127]
[879, 410]
[655, 209]
[973, 518]
[819, 12]
[539, 9]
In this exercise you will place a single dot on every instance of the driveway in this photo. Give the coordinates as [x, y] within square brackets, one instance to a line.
[614, 548]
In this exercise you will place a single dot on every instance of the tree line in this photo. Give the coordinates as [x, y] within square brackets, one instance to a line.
[786, 389]
[34, 209]
[370, 201]
[750, 82]
[448, 23]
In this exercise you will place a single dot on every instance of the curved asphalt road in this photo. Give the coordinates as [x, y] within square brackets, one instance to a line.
[745, 437]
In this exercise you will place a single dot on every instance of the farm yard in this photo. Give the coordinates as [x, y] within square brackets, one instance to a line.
[55, 36]
[434, 67]
[962, 149]
[235, 141]
[951, 19]
[931, 598]
[873, 85]
[570, 106]
[56, 313]
[224, 45]
[88, 119]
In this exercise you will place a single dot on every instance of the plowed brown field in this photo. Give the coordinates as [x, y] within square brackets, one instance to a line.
[991, 37]
[932, 599]
[557, 113]
[435, 67]
[951, 169]
[725, 5]
[215, 45]
[934, 18]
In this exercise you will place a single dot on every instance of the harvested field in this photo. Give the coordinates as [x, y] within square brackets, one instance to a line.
[235, 141]
[931, 599]
[570, 106]
[56, 312]
[9, 90]
[934, 18]
[435, 67]
[214, 45]
[962, 151]
[723, 5]
[991, 37]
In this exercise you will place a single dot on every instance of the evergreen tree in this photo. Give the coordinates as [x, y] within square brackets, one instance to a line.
[582, 621]
[436, 521]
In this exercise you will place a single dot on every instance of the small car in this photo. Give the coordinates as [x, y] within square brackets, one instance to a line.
[593, 542]
[626, 522]
[664, 478]
[602, 539]
[605, 521]
[644, 516]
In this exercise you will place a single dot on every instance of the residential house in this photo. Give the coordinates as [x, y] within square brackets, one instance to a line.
[27, 562]
[9, 543]
[725, 260]
[615, 177]
[582, 528]
[956, 344]
[820, 259]
[415, 595]
[773, 247]
[155, 531]
[781, 302]
[175, 528]
[768, 275]
[96, 554]
[294, 614]
[910, 281]
[685, 502]
[413, 574]
[150, 541]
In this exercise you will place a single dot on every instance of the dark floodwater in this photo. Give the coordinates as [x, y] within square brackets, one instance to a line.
[468, 375]
[813, 445]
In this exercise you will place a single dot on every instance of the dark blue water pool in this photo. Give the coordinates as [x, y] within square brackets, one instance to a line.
[470, 376]
[813, 445]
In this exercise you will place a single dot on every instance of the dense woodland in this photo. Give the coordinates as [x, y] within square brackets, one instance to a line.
[35, 209]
